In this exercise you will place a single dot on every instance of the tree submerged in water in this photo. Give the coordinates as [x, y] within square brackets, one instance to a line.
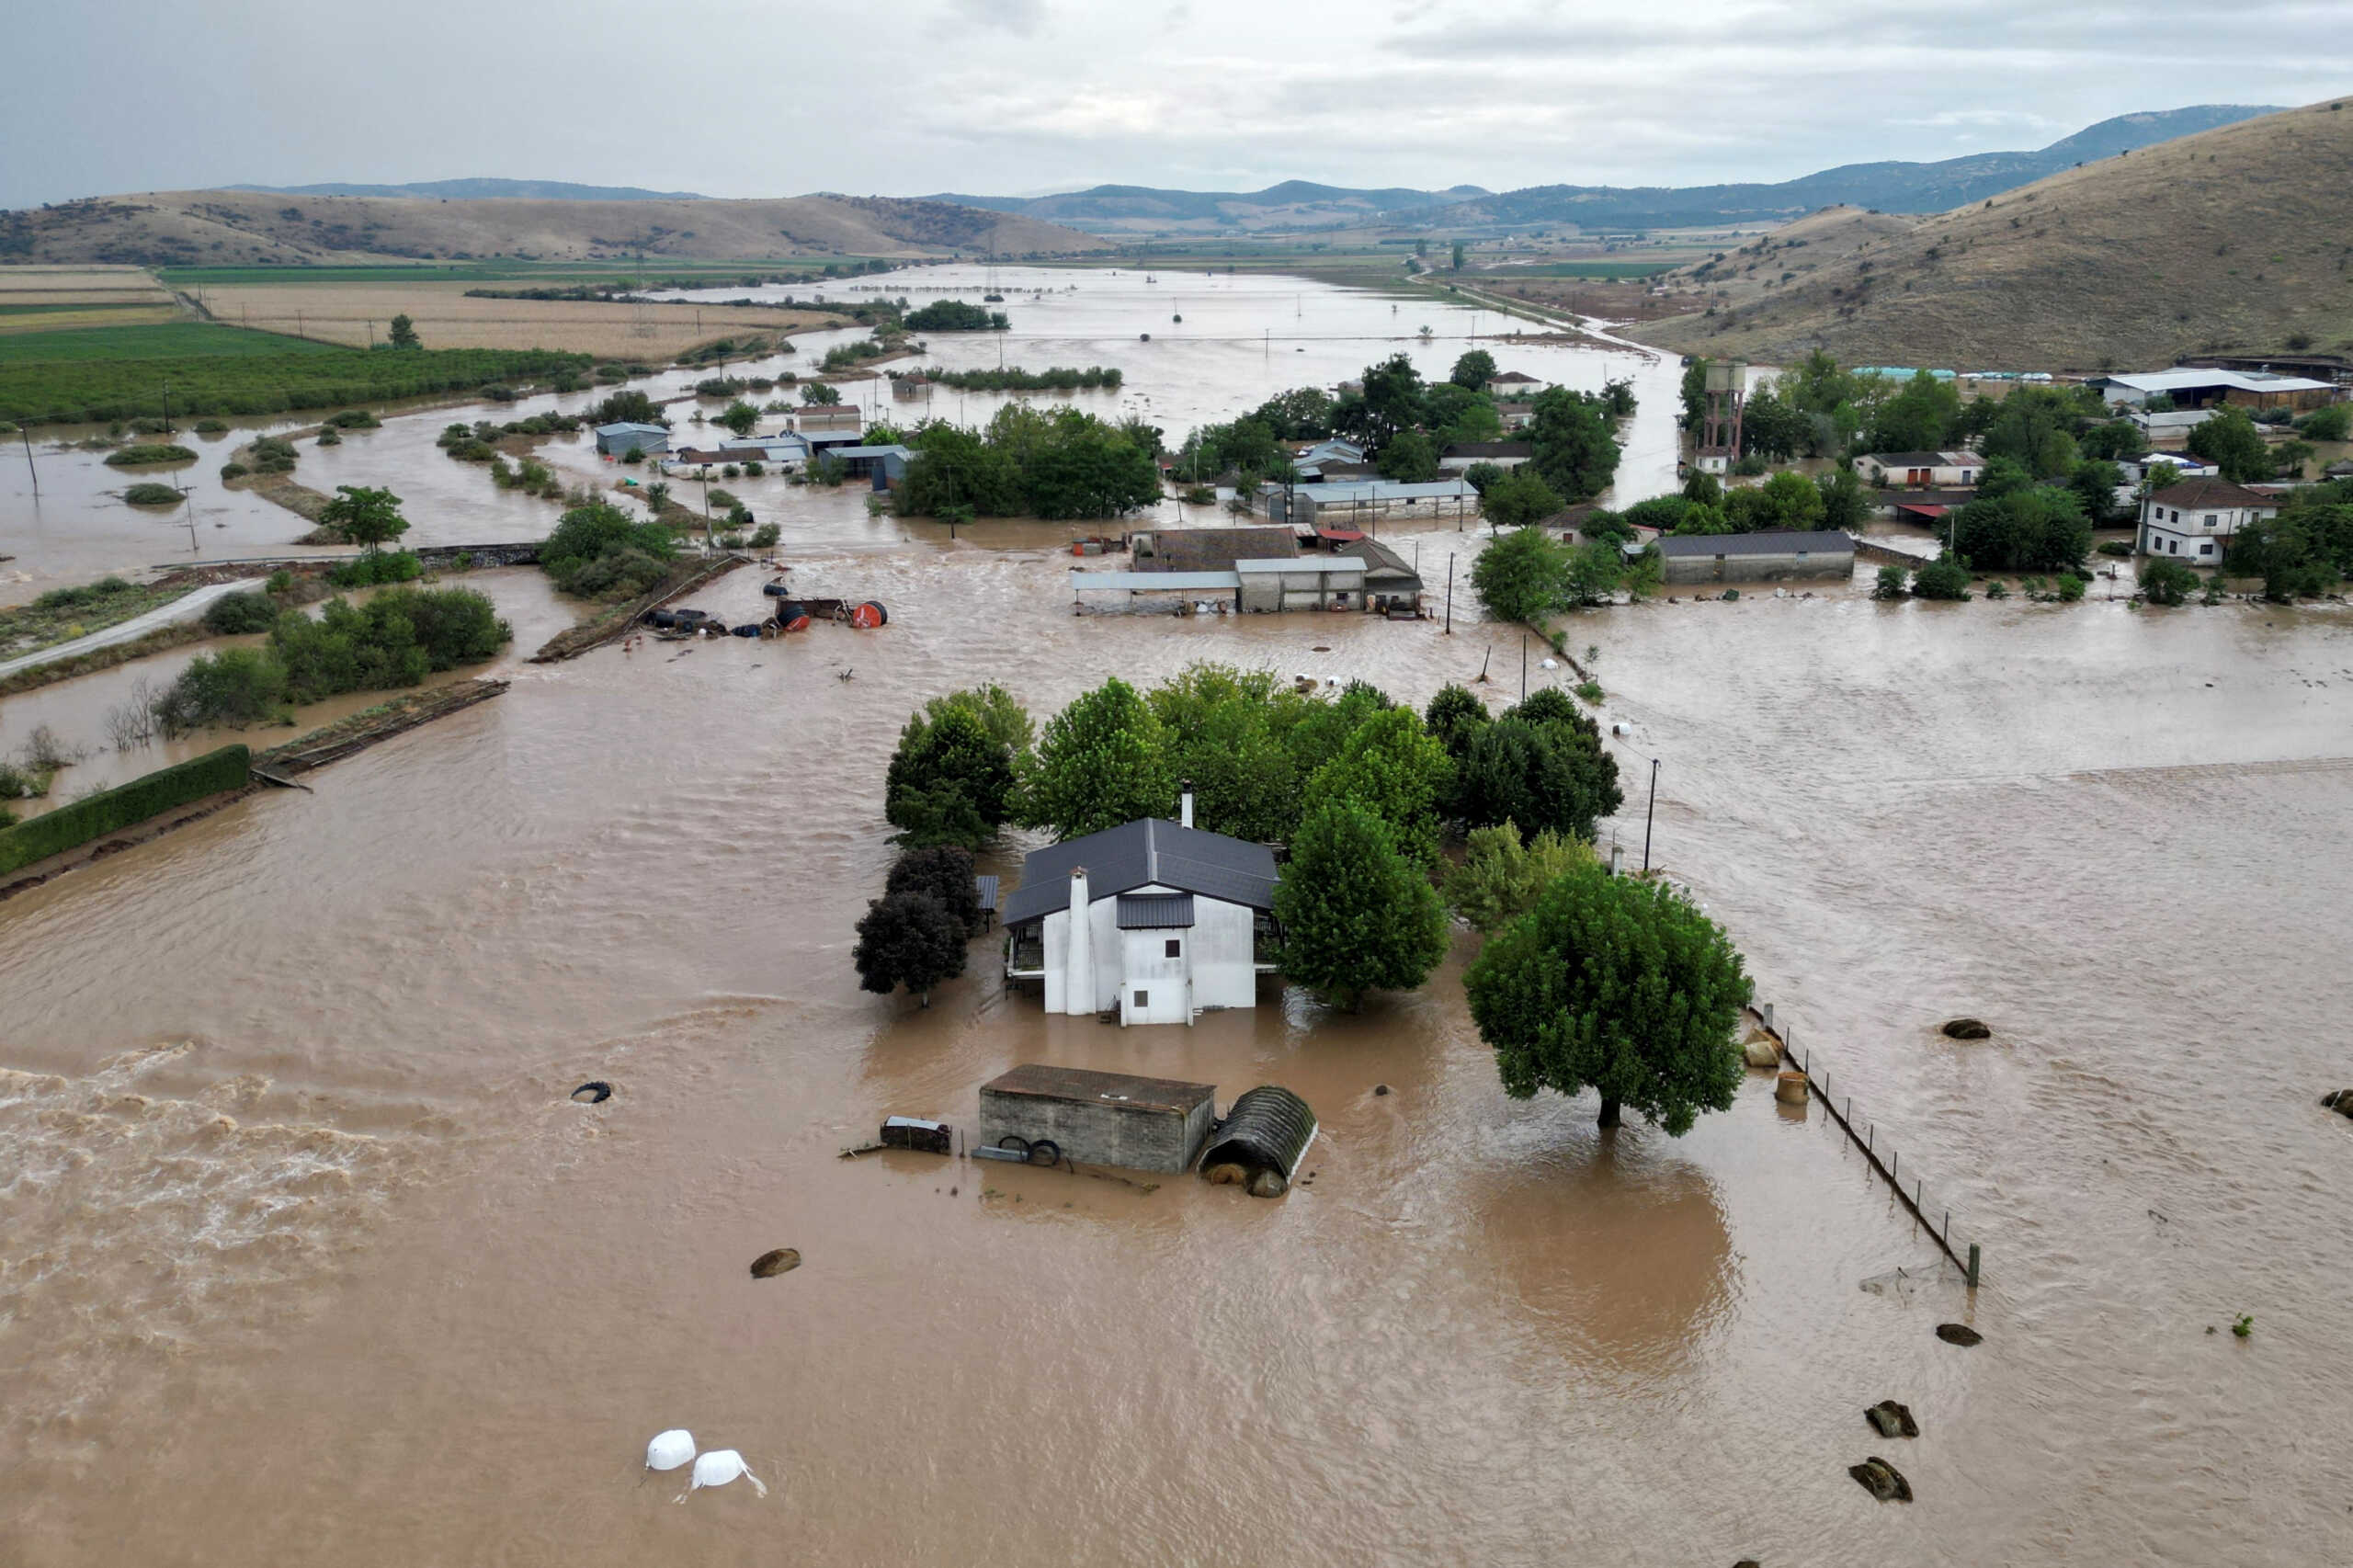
[1616, 984]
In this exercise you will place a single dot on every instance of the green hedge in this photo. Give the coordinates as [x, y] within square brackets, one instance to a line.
[111, 810]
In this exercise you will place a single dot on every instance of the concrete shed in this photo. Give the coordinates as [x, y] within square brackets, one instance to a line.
[1775, 555]
[1100, 1119]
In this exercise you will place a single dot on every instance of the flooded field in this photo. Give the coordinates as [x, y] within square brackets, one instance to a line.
[310, 1257]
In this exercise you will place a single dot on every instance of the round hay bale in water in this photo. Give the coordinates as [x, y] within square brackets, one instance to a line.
[1225, 1174]
[768, 1264]
[1269, 1184]
[1967, 1028]
[1760, 1051]
[1789, 1088]
[670, 1450]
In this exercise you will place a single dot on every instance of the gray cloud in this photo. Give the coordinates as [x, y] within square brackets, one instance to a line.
[1006, 96]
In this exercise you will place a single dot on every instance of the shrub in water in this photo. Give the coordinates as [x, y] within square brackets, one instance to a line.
[141, 455]
[235, 614]
[152, 495]
[235, 686]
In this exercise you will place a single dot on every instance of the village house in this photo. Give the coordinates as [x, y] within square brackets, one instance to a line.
[1513, 384]
[1460, 457]
[1157, 920]
[1921, 470]
[2197, 517]
[1517, 414]
[1772, 555]
[623, 436]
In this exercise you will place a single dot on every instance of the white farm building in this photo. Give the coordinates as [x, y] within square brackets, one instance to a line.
[1154, 918]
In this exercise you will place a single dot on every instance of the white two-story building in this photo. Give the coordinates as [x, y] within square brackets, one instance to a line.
[2193, 521]
[1155, 919]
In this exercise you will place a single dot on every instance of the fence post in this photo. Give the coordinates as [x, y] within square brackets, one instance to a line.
[1973, 1266]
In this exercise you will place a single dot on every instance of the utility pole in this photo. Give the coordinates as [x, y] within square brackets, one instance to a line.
[1648, 812]
[1523, 665]
[30, 468]
[168, 405]
[1450, 596]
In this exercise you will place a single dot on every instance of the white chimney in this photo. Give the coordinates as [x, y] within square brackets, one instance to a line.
[1185, 805]
[1079, 961]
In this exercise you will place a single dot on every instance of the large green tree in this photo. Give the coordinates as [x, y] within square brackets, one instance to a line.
[1356, 915]
[1787, 500]
[1540, 765]
[1518, 498]
[1409, 458]
[1576, 450]
[2228, 439]
[1521, 576]
[1397, 769]
[367, 517]
[1102, 761]
[1919, 418]
[1227, 732]
[910, 939]
[2035, 428]
[1473, 370]
[1502, 876]
[2038, 529]
[1616, 984]
[950, 782]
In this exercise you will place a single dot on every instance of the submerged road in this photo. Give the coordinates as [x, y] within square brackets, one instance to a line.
[185, 608]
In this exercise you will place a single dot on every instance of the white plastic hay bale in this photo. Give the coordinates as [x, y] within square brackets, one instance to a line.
[717, 1468]
[1549, 665]
[670, 1450]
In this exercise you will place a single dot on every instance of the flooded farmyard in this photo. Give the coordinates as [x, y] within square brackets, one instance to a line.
[310, 1254]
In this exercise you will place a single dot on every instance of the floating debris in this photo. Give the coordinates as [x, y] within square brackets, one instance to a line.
[596, 1091]
[1959, 1333]
[1892, 1420]
[768, 1264]
[1882, 1480]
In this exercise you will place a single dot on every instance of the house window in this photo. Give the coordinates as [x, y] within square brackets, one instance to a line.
[2176, 516]
[2207, 548]
[1143, 998]
[2210, 520]
[1176, 948]
[2173, 547]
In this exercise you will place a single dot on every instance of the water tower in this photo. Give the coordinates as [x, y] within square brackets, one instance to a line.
[1727, 392]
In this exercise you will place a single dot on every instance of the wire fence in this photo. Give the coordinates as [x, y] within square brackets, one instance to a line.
[1929, 1211]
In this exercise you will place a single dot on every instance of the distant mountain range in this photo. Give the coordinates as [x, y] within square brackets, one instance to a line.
[482, 189]
[1889, 186]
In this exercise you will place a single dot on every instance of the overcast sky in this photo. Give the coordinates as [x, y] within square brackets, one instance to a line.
[775, 97]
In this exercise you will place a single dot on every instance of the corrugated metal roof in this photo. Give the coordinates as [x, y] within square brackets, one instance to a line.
[1155, 910]
[2243, 380]
[1038, 1080]
[1776, 542]
[1149, 852]
[1383, 490]
[984, 887]
[1268, 1129]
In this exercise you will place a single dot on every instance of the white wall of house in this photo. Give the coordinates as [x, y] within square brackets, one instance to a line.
[1154, 984]
[1935, 476]
[2198, 533]
[1216, 964]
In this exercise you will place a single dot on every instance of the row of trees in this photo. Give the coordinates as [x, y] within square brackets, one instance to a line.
[955, 315]
[1057, 463]
[1260, 754]
[2305, 551]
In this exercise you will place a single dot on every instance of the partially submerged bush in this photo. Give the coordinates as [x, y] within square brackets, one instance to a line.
[237, 614]
[377, 567]
[152, 495]
[145, 453]
[599, 551]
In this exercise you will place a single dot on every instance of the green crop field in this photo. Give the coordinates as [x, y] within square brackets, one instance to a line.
[287, 375]
[162, 340]
[92, 307]
[1601, 270]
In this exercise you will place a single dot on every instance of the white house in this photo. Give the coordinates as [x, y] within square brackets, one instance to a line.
[1513, 384]
[1155, 918]
[2195, 518]
[1921, 470]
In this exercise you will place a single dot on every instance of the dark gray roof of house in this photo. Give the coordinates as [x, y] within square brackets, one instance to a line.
[1144, 853]
[1778, 542]
[1155, 910]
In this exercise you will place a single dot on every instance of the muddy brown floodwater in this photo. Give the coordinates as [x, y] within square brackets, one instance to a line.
[309, 1257]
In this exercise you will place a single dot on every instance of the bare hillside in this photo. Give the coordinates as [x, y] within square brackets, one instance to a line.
[241, 227]
[2235, 239]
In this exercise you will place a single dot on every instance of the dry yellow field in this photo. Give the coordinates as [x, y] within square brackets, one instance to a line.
[45, 299]
[360, 314]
